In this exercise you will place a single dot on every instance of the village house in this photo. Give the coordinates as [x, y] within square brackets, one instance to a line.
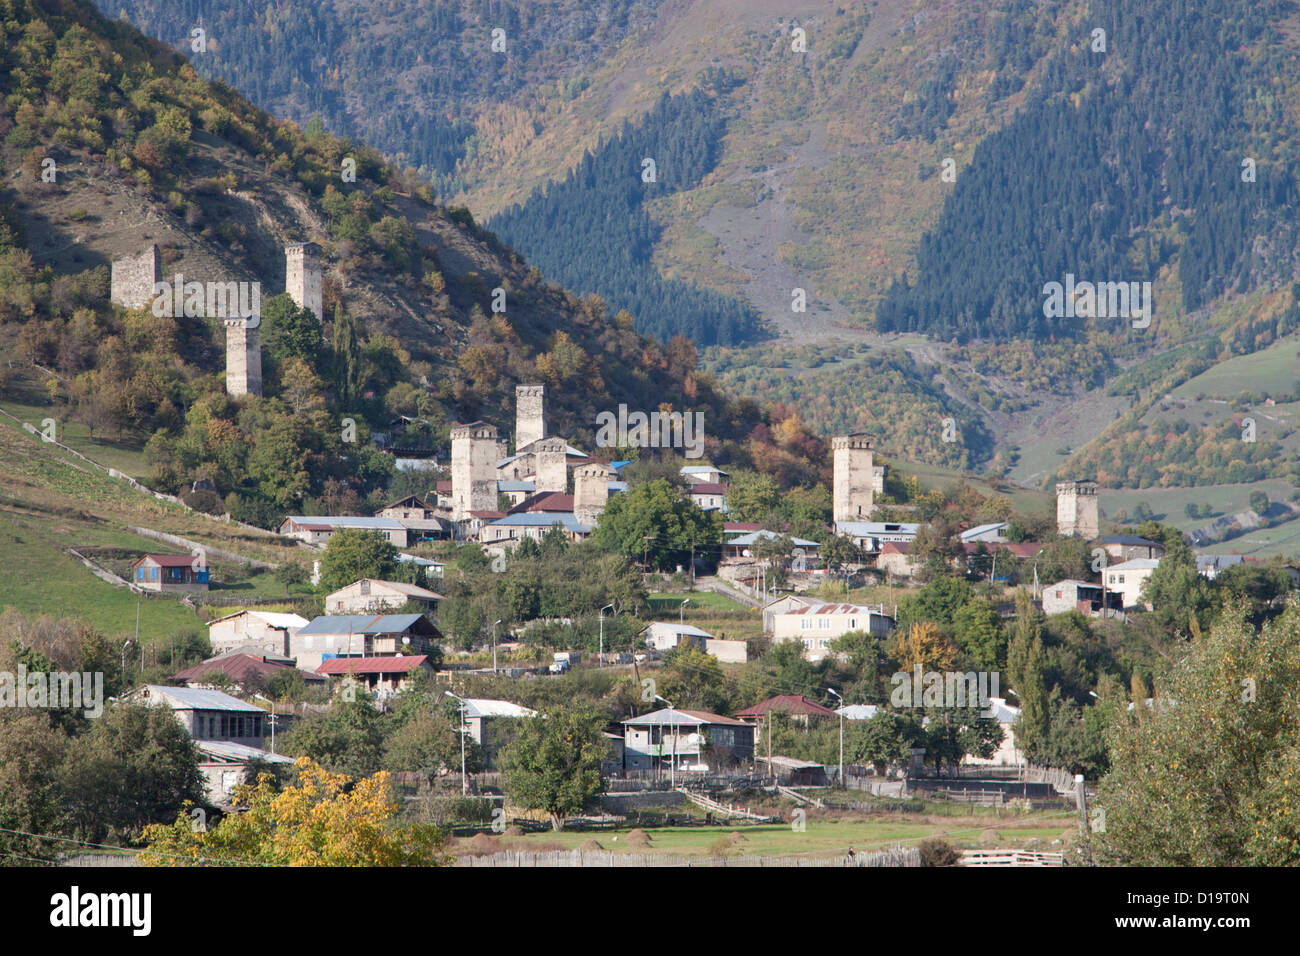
[988, 533]
[362, 635]
[744, 548]
[381, 676]
[1070, 595]
[896, 558]
[685, 741]
[268, 631]
[1006, 755]
[703, 474]
[418, 517]
[817, 627]
[318, 529]
[1126, 547]
[490, 724]
[797, 707]
[1209, 565]
[870, 536]
[508, 530]
[170, 573]
[375, 596]
[665, 636]
[246, 672]
[787, 602]
[708, 495]
[1128, 578]
[228, 732]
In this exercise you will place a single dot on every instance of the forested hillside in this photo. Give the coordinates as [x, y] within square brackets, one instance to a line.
[408, 77]
[592, 233]
[1120, 160]
[221, 187]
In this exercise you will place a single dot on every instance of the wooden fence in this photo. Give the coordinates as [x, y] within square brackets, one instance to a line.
[1010, 858]
[895, 856]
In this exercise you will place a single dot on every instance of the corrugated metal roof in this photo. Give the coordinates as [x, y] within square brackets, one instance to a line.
[787, 704]
[239, 752]
[858, 711]
[346, 521]
[372, 665]
[756, 536]
[167, 560]
[277, 619]
[542, 519]
[694, 718]
[482, 707]
[189, 698]
[677, 628]
[360, 624]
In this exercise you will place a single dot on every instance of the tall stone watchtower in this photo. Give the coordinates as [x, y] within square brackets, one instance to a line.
[474, 454]
[302, 276]
[855, 477]
[530, 414]
[552, 464]
[243, 357]
[591, 491]
[134, 278]
[1076, 509]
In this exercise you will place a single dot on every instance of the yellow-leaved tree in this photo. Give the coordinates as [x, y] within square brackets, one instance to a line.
[316, 821]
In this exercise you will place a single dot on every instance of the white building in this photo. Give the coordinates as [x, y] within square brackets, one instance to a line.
[817, 627]
[1127, 579]
[371, 594]
[1006, 755]
[318, 529]
[664, 636]
[270, 632]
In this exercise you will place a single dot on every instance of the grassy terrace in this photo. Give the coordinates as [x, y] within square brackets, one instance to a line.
[51, 502]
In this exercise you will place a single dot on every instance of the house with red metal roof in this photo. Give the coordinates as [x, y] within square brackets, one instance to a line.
[171, 573]
[382, 676]
[245, 671]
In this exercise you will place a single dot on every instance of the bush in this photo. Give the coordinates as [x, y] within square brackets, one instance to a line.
[938, 852]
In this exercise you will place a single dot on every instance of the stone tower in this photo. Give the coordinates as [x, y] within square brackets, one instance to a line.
[302, 276]
[134, 278]
[552, 469]
[474, 454]
[591, 491]
[530, 414]
[1076, 509]
[855, 477]
[243, 357]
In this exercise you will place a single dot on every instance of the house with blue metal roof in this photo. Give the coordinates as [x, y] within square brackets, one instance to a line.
[362, 635]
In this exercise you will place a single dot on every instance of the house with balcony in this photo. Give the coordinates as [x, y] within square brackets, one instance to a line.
[685, 741]
[362, 635]
[381, 676]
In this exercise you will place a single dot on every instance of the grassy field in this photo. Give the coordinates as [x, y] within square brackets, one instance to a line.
[26, 400]
[50, 503]
[832, 835]
[1273, 370]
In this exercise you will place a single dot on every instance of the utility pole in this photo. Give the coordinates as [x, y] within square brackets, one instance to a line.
[841, 709]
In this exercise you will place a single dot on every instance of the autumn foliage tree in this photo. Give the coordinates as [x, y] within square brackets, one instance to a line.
[322, 819]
